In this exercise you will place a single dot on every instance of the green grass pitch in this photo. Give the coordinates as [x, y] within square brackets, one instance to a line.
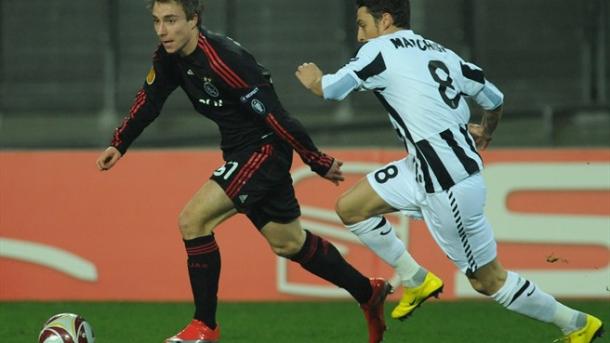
[292, 322]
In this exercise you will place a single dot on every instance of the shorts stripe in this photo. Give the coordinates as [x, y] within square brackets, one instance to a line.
[460, 227]
[248, 170]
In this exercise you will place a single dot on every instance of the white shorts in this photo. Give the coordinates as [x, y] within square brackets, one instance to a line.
[454, 217]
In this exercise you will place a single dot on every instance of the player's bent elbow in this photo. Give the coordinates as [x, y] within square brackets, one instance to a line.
[337, 87]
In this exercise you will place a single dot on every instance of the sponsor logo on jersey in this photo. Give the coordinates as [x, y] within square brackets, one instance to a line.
[210, 102]
[190, 72]
[247, 97]
[258, 106]
[243, 198]
[150, 77]
[211, 89]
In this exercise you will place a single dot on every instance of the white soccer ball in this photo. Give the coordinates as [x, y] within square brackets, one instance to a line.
[66, 328]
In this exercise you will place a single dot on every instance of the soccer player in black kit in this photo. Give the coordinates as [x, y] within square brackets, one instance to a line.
[225, 83]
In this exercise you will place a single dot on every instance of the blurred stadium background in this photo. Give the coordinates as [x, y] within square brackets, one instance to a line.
[70, 69]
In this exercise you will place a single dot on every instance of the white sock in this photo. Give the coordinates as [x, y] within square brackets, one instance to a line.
[568, 319]
[377, 234]
[524, 297]
[411, 274]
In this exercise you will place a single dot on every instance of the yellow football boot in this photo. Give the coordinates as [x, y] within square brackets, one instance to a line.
[592, 330]
[412, 298]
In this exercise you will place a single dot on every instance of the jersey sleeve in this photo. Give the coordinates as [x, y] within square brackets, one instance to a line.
[159, 84]
[361, 72]
[253, 87]
[490, 97]
[475, 85]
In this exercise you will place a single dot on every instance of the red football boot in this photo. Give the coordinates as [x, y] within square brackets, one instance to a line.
[196, 332]
[373, 309]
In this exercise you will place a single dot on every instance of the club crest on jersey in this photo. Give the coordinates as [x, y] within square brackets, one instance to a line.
[258, 106]
[150, 77]
[210, 89]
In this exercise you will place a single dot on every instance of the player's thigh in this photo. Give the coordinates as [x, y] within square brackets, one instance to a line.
[206, 209]
[285, 239]
[360, 202]
[387, 189]
[457, 222]
[249, 177]
[265, 193]
[396, 184]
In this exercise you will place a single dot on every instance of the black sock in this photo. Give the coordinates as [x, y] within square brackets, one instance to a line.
[321, 258]
[204, 271]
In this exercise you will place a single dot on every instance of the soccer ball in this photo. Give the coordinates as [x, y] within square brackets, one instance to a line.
[66, 328]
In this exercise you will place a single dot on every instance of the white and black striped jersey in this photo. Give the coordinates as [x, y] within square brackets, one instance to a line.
[422, 85]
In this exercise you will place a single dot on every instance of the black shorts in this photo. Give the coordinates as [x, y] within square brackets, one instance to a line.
[259, 183]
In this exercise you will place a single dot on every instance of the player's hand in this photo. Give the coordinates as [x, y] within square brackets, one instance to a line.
[310, 76]
[334, 174]
[108, 158]
[481, 138]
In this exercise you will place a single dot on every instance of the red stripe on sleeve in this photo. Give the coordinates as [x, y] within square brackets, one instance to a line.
[138, 103]
[135, 107]
[307, 154]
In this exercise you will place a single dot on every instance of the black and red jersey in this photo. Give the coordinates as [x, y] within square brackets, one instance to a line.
[226, 84]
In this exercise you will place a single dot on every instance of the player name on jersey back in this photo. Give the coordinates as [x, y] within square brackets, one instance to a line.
[422, 44]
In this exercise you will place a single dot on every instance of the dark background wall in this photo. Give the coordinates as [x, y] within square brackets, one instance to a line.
[70, 69]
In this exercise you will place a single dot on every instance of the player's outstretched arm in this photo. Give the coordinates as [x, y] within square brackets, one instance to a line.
[311, 77]
[334, 174]
[108, 158]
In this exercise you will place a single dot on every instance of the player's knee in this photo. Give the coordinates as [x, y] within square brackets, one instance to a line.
[347, 215]
[286, 249]
[192, 225]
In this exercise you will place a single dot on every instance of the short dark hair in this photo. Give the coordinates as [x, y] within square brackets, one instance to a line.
[191, 7]
[399, 9]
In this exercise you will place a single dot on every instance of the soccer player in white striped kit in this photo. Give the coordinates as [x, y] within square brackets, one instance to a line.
[423, 86]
